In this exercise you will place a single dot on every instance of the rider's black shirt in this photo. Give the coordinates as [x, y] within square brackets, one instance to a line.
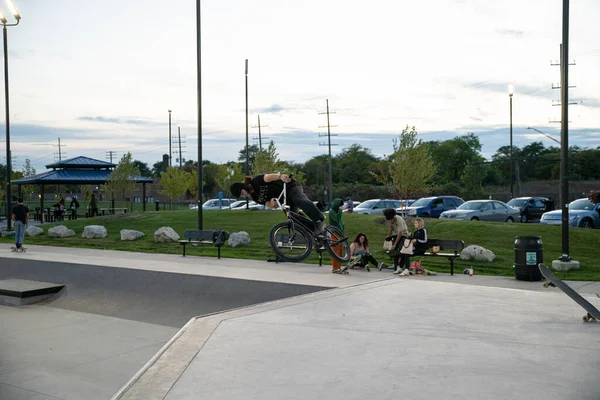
[265, 191]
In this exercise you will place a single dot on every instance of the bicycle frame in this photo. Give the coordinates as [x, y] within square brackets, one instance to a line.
[291, 215]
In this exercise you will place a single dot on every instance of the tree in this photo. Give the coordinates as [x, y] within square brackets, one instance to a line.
[252, 153]
[409, 169]
[452, 156]
[175, 182]
[145, 171]
[352, 164]
[121, 179]
[158, 167]
[266, 161]
[227, 174]
[28, 170]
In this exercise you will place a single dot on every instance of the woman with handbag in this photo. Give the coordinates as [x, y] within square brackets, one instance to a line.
[415, 245]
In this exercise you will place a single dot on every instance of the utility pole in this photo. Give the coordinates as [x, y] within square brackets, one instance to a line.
[329, 145]
[180, 156]
[170, 137]
[110, 154]
[260, 138]
[247, 165]
[60, 154]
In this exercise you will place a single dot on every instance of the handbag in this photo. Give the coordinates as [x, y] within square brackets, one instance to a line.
[388, 245]
[407, 247]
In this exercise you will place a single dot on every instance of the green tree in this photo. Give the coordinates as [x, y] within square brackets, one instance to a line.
[145, 171]
[228, 174]
[175, 182]
[352, 165]
[252, 153]
[452, 156]
[28, 170]
[121, 180]
[409, 169]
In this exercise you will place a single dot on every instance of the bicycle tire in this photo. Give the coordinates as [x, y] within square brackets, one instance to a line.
[342, 243]
[291, 242]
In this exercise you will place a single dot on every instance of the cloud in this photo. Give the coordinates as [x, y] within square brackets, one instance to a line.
[274, 109]
[511, 32]
[122, 120]
[502, 87]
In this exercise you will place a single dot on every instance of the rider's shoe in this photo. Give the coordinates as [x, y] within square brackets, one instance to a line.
[319, 227]
[336, 271]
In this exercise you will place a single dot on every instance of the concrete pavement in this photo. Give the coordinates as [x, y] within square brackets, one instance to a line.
[367, 334]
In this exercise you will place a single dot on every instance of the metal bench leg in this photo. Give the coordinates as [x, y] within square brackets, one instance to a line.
[183, 244]
[452, 266]
[218, 252]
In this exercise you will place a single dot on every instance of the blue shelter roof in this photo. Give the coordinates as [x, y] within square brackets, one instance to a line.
[78, 170]
[81, 162]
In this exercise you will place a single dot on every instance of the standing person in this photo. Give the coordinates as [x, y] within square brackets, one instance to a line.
[335, 219]
[20, 216]
[74, 204]
[360, 255]
[266, 188]
[419, 241]
[397, 232]
[349, 205]
[93, 206]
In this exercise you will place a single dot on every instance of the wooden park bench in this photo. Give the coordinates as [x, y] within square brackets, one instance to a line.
[197, 237]
[448, 248]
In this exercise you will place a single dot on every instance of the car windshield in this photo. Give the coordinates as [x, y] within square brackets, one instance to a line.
[422, 202]
[471, 205]
[517, 202]
[582, 204]
[367, 204]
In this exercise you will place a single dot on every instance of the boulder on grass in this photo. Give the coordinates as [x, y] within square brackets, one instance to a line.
[239, 239]
[165, 234]
[34, 231]
[60, 231]
[130, 234]
[477, 253]
[94, 232]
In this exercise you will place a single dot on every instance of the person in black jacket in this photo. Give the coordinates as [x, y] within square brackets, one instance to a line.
[419, 241]
[20, 216]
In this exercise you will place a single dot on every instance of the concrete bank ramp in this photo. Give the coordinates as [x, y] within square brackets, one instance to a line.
[162, 298]
[398, 338]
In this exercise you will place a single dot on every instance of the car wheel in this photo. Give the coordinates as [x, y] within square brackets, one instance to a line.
[586, 223]
[524, 218]
[510, 220]
[474, 219]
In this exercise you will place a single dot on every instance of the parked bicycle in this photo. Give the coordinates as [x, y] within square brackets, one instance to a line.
[293, 240]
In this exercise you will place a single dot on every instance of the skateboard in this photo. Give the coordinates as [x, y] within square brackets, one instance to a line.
[22, 249]
[592, 312]
[343, 270]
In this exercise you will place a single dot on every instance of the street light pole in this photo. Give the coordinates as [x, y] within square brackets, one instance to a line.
[542, 133]
[6, 97]
[199, 83]
[510, 95]
[247, 165]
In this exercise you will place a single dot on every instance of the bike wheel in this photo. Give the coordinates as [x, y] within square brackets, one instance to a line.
[290, 242]
[334, 241]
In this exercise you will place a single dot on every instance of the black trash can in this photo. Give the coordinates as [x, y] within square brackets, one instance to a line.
[529, 252]
[157, 205]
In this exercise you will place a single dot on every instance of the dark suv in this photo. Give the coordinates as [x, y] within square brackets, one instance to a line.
[531, 208]
[432, 207]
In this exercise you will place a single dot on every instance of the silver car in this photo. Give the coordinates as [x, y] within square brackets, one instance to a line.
[376, 206]
[582, 213]
[483, 210]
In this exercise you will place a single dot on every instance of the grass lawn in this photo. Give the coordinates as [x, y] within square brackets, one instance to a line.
[497, 237]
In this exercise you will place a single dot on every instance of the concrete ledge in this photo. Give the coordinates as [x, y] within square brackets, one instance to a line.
[19, 292]
[559, 265]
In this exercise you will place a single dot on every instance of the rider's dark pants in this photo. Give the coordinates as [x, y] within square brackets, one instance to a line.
[297, 199]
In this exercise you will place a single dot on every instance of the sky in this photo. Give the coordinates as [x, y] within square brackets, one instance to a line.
[101, 76]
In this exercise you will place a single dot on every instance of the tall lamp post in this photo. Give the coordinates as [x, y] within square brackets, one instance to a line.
[5, 23]
[511, 90]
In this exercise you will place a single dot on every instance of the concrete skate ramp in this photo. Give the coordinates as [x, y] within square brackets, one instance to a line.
[162, 298]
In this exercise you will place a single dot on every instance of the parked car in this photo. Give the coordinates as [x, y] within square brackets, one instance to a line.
[239, 203]
[582, 213]
[216, 204]
[483, 210]
[531, 208]
[376, 206]
[432, 207]
[356, 204]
